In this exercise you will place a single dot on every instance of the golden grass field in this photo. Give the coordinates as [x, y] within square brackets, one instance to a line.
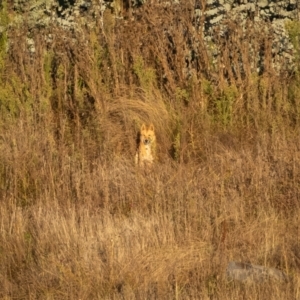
[78, 220]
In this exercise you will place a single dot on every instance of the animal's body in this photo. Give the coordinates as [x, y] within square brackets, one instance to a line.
[146, 150]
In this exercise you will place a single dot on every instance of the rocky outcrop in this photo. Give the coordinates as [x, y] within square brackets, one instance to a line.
[219, 20]
[267, 10]
[264, 16]
[66, 13]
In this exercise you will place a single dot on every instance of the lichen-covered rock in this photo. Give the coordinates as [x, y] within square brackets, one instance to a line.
[212, 17]
[261, 15]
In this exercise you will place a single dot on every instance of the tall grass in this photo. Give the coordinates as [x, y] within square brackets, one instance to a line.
[79, 221]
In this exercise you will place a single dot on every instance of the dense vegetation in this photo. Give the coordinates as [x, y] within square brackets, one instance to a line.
[79, 221]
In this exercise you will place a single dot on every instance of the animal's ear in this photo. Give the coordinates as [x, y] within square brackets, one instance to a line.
[151, 127]
[143, 127]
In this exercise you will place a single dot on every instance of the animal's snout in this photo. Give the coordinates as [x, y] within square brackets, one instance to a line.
[146, 142]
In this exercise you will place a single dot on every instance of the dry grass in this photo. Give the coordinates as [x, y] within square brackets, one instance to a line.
[78, 228]
[79, 221]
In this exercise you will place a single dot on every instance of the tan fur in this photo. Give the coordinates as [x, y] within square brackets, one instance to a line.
[146, 151]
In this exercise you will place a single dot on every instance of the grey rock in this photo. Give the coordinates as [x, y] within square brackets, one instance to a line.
[213, 12]
[215, 20]
[246, 272]
[227, 6]
[263, 3]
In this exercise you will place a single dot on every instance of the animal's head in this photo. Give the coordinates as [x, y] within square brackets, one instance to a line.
[147, 136]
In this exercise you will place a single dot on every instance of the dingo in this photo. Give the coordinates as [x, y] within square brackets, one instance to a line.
[145, 153]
